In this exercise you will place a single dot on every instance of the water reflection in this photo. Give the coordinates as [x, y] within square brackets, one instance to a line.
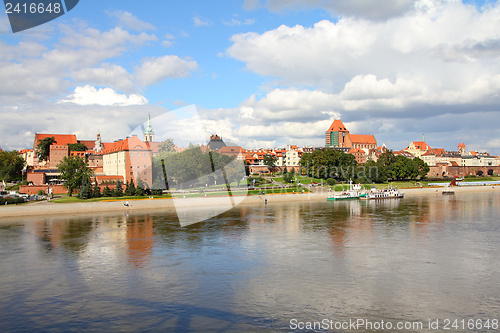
[254, 267]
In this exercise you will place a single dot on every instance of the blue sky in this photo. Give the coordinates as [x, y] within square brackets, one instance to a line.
[261, 73]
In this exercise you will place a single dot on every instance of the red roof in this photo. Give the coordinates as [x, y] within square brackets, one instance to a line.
[90, 144]
[154, 146]
[337, 126]
[61, 139]
[362, 139]
[231, 150]
[132, 143]
[420, 145]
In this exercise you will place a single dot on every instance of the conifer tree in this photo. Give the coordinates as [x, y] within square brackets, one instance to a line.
[106, 192]
[96, 191]
[118, 189]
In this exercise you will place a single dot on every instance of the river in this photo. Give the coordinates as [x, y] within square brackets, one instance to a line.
[433, 260]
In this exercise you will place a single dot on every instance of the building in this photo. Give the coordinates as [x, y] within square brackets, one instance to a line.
[129, 158]
[360, 145]
[417, 148]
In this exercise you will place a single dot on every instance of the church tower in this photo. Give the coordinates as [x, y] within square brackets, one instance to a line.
[98, 143]
[149, 134]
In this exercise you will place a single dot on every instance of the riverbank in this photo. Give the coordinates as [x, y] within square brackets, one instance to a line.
[51, 208]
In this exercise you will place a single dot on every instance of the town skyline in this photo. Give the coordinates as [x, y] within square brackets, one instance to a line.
[261, 73]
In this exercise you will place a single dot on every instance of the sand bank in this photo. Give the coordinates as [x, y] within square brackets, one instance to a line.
[51, 208]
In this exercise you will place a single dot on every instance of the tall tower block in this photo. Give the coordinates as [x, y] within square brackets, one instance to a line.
[336, 134]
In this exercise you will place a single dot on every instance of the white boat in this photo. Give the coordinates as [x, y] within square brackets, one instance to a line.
[390, 193]
[352, 193]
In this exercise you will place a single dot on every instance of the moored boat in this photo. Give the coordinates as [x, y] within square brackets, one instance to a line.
[352, 193]
[390, 193]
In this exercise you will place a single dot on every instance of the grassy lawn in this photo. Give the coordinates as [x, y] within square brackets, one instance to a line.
[68, 199]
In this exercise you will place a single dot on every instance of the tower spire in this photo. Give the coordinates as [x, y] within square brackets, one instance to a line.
[149, 134]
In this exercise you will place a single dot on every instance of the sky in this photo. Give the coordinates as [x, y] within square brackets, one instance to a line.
[260, 73]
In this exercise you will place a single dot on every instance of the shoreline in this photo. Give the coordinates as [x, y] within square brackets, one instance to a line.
[82, 208]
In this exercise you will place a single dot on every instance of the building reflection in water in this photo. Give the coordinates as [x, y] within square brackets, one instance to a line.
[140, 239]
[98, 235]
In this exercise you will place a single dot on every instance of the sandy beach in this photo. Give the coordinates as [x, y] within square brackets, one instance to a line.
[51, 208]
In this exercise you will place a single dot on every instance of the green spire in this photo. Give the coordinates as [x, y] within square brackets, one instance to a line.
[149, 129]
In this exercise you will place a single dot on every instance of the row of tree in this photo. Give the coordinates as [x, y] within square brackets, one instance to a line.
[88, 191]
[192, 168]
[77, 176]
[335, 165]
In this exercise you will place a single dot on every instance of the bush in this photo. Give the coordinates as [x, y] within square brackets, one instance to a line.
[11, 201]
[156, 191]
[490, 172]
[479, 173]
[331, 181]
[41, 192]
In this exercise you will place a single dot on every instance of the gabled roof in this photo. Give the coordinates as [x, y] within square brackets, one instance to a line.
[362, 139]
[403, 153]
[61, 139]
[154, 146]
[132, 143]
[356, 151]
[90, 144]
[421, 145]
[337, 126]
[434, 151]
[231, 150]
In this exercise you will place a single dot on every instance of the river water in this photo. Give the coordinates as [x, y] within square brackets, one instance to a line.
[276, 267]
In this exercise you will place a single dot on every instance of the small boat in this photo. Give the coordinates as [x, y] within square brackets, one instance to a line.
[390, 193]
[353, 193]
[448, 191]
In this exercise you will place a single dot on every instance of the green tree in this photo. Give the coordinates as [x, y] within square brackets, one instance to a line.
[96, 190]
[73, 171]
[43, 148]
[130, 188]
[328, 163]
[77, 146]
[140, 190]
[288, 177]
[106, 192]
[11, 165]
[167, 146]
[270, 161]
[422, 167]
[118, 191]
[85, 189]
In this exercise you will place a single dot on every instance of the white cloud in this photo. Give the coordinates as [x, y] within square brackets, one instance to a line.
[168, 41]
[155, 70]
[113, 122]
[200, 21]
[236, 22]
[128, 20]
[369, 9]
[110, 75]
[443, 52]
[30, 72]
[89, 95]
